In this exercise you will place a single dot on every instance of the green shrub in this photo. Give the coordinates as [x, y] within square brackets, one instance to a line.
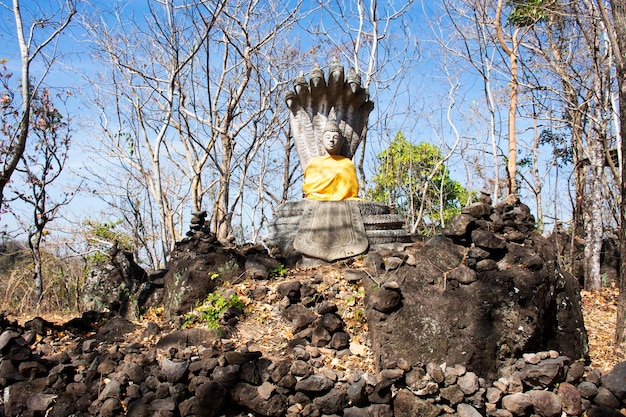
[212, 308]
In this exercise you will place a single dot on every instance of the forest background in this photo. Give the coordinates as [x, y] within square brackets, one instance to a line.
[121, 119]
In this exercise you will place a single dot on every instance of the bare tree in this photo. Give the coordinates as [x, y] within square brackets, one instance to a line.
[471, 26]
[148, 63]
[571, 43]
[616, 30]
[192, 103]
[33, 37]
[375, 39]
[41, 165]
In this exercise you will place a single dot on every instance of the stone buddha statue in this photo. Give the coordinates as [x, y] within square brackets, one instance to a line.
[331, 177]
[328, 119]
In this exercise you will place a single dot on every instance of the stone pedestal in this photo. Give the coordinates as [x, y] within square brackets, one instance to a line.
[332, 230]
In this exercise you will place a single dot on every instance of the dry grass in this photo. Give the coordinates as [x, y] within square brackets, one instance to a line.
[61, 292]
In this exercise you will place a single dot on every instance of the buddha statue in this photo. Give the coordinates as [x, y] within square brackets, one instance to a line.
[328, 120]
[331, 177]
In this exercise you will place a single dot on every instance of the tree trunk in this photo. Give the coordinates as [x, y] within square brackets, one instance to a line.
[14, 156]
[512, 160]
[34, 243]
[619, 25]
[514, 85]
[223, 227]
[593, 216]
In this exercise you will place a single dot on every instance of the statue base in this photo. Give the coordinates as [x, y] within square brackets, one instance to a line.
[333, 230]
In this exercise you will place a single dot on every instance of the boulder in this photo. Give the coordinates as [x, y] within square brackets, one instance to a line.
[455, 310]
[198, 265]
[121, 286]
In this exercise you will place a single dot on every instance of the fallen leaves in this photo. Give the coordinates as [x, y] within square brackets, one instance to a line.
[600, 313]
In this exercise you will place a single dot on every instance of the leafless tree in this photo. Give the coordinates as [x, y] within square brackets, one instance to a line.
[34, 35]
[615, 21]
[192, 102]
[41, 165]
[375, 38]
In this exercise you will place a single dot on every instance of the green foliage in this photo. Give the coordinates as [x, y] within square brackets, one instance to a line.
[359, 315]
[107, 233]
[403, 170]
[277, 272]
[529, 12]
[212, 308]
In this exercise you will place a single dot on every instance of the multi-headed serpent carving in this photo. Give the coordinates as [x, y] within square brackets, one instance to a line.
[311, 104]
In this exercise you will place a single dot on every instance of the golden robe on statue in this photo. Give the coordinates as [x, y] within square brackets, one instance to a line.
[330, 178]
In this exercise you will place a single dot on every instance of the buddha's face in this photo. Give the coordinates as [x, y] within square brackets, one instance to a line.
[332, 142]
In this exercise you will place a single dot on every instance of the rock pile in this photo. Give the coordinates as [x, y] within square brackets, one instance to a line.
[450, 323]
[197, 374]
[483, 293]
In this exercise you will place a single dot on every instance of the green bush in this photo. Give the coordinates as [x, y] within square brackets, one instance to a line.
[211, 310]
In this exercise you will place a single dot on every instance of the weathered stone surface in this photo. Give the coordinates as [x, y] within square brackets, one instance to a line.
[315, 383]
[27, 398]
[226, 375]
[603, 412]
[299, 316]
[188, 337]
[290, 289]
[544, 373]
[320, 337]
[392, 263]
[111, 390]
[576, 372]
[517, 403]
[260, 266]
[405, 404]
[331, 230]
[247, 396]
[331, 322]
[435, 372]
[570, 399]
[495, 296]
[605, 398]
[493, 395]
[459, 226]
[385, 300]
[487, 240]
[6, 338]
[615, 380]
[452, 394]
[115, 329]
[333, 402]
[119, 285]
[466, 410]
[374, 410]
[110, 407]
[468, 383]
[480, 210]
[196, 268]
[173, 371]
[587, 389]
[340, 340]
[545, 403]
[463, 274]
[240, 358]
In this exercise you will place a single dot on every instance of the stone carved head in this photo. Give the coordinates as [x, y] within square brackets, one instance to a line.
[332, 138]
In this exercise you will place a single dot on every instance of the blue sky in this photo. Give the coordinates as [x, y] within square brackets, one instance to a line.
[420, 99]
